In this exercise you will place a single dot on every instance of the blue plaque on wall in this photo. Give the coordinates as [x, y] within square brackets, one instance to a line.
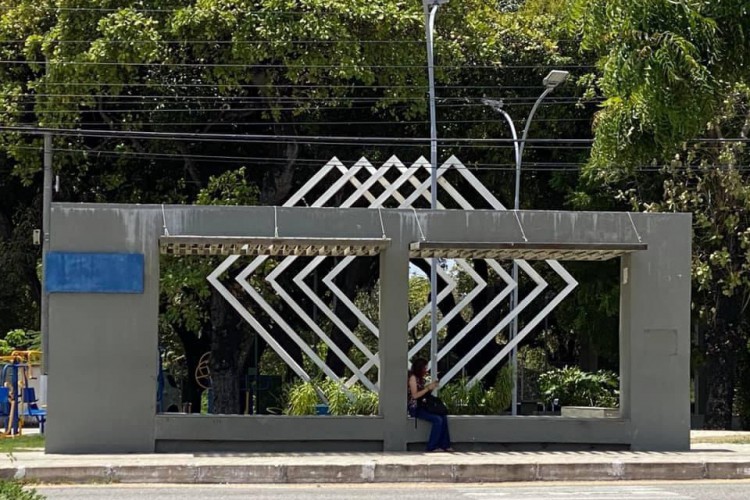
[74, 272]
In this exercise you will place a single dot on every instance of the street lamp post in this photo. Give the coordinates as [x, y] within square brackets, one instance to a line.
[551, 82]
[430, 12]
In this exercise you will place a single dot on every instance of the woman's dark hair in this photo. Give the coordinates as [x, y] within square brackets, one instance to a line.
[418, 367]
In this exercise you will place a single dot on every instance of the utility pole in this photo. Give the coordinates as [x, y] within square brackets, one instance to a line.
[46, 214]
[430, 12]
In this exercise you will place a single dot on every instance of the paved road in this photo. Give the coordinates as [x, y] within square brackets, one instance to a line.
[715, 490]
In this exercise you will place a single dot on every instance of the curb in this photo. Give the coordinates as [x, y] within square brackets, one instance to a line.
[382, 473]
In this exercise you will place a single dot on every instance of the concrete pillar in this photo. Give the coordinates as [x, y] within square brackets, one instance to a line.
[102, 375]
[394, 319]
[655, 335]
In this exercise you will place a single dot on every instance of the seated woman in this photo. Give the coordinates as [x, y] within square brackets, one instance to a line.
[440, 439]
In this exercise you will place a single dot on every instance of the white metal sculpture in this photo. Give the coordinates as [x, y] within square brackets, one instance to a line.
[390, 192]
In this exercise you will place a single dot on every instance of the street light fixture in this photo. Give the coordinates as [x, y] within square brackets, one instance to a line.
[555, 78]
[430, 12]
[550, 82]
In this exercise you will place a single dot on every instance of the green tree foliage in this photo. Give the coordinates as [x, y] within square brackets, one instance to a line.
[20, 340]
[264, 67]
[666, 67]
[673, 72]
[709, 181]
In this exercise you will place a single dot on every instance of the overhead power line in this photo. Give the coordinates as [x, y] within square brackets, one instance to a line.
[252, 138]
[298, 65]
[275, 85]
[150, 99]
[263, 137]
[306, 107]
[317, 163]
[321, 123]
[227, 42]
[30, 96]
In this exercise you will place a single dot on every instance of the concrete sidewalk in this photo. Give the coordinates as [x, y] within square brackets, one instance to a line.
[705, 461]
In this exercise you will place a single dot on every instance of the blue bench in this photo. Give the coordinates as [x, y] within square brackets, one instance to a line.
[4, 403]
[32, 408]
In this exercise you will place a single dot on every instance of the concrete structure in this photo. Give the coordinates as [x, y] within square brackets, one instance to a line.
[103, 361]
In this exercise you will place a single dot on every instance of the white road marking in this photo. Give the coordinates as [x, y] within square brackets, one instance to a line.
[578, 493]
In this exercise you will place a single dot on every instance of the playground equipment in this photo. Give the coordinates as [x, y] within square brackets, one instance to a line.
[17, 398]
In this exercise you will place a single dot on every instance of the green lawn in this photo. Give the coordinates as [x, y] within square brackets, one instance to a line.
[742, 439]
[22, 443]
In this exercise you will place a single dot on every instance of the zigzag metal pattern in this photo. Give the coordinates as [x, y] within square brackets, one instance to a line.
[390, 191]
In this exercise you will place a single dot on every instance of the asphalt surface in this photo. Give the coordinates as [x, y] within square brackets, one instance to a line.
[694, 490]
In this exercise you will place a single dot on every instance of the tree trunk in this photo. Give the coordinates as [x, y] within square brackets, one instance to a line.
[194, 348]
[723, 344]
[226, 337]
[360, 274]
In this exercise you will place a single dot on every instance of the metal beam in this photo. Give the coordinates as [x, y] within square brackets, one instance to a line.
[258, 245]
[522, 250]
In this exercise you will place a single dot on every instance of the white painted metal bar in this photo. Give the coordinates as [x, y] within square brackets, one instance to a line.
[541, 285]
[481, 284]
[213, 278]
[480, 315]
[271, 278]
[372, 359]
[571, 284]
[314, 181]
[242, 280]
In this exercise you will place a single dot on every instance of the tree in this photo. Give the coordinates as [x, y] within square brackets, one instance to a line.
[666, 68]
[229, 66]
[673, 72]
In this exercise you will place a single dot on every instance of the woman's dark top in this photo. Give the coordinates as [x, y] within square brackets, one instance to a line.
[412, 406]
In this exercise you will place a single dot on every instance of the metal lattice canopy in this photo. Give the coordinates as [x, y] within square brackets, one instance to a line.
[259, 245]
[522, 250]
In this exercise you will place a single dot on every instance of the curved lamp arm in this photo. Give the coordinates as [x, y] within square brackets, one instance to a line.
[531, 116]
[516, 144]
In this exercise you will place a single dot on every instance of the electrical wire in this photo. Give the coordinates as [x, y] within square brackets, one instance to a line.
[323, 123]
[474, 101]
[539, 166]
[317, 163]
[226, 42]
[236, 42]
[307, 107]
[27, 97]
[285, 66]
[194, 136]
[280, 85]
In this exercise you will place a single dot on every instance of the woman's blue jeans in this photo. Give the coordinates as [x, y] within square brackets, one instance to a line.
[439, 435]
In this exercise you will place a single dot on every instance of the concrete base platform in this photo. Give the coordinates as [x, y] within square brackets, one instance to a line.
[589, 412]
[703, 462]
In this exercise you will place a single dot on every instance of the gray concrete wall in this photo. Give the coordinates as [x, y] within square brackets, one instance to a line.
[103, 348]
[655, 335]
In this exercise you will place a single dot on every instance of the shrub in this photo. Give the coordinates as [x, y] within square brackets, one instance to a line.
[303, 396]
[20, 340]
[14, 491]
[301, 399]
[461, 399]
[575, 387]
